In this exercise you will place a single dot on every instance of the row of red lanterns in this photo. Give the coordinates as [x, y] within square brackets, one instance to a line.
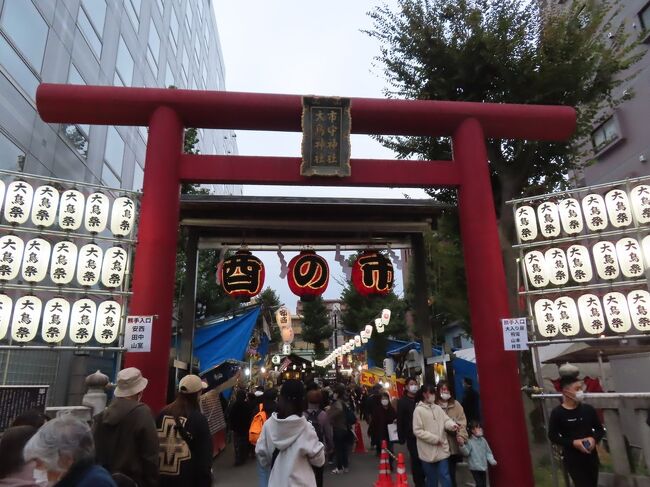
[242, 275]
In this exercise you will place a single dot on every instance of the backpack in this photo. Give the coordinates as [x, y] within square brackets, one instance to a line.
[255, 429]
[350, 417]
[312, 417]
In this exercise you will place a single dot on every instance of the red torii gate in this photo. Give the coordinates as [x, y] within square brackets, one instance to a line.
[168, 111]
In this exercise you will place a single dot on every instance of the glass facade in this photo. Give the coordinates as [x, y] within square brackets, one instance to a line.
[24, 25]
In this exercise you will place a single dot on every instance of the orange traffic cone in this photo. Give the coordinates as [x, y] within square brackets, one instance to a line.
[360, 448]
[402, 479]
[385, 479]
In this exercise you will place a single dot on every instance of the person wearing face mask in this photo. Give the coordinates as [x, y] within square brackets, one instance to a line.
[455, 411]
[382, 416]
[430, 426]
[63, 450]
[125, 433]
[478, 454]
[405, 407]
[575, 426]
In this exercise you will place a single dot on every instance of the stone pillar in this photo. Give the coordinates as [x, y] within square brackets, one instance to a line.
[95, 398]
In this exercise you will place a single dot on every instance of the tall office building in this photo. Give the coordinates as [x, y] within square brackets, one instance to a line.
[145, 43]
[619, 143]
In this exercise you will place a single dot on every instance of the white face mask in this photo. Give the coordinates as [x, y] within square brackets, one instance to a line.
[258, 393]
[413, 389]
[431, 399]
[40, 476]
[384, 402]
[580, 396]
[445, 396]
[478, 433]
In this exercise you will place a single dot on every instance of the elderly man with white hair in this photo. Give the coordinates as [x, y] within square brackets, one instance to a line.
[63, 449]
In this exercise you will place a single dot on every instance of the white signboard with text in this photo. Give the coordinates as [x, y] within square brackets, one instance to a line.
[515, 334]
[137, 334]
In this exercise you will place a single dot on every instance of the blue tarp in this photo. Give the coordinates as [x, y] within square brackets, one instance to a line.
[213, 344]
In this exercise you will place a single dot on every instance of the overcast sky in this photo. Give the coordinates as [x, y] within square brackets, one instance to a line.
[302, 47]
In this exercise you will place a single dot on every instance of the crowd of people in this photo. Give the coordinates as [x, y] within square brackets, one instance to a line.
[291, 433]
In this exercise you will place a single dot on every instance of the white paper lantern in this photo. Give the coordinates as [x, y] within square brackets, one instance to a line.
[526, 223]
[618, 208]
[567, 314]
[369, 331]
[638, 303]
[628, 252]
[89, 265]
[549, 219]
[122, 216]
[71, 210]
[595, 212]
[282, 315]
[107, 326]
[6, 305]
[2, 192]
[18, 202]
[11, 255]
[287, 334]
[96, 215]
[570, 216]
[364, 336]
[591, 314]
[82, 320]
[546, 318]
[286, 348]
[536, 268]
[46, 202]
[606, 260]
[640, 202]
[36, 258]
[114, 267]
[579, 263]
[379, 325]
[645, 246]
[63, 263]
[385, 317]
[557, 266]
[357, 341]
[56, 316]
[618, 316]
[26, 317]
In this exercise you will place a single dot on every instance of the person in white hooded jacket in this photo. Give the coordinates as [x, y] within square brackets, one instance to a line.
[289, 444]
[430, 424]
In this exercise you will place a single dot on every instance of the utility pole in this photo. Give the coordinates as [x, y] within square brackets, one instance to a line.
[336, 310]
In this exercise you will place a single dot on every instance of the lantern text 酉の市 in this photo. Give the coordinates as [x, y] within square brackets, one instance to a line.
[308, 275]
[242, 275]
[372, 273]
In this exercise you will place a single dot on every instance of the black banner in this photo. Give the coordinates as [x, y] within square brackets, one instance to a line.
[15, 400]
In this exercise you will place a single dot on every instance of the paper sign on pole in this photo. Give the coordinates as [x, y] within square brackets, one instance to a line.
[137, 334]
[515, 334]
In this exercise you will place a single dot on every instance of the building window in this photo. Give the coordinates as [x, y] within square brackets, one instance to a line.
[17, 69]
[76, 134]
[188, 18]
[153, 48]
[173, 25]
[169, 77]
[197, 50]
[457, 342]
[12, 157]
[143, 133]
[200, 5]
[161, 7]
[124, 64]
[605, 134]
[204, 75]
[185, 65]
[109, 178]
[24, 25]
[114, 152]
[644, 17]
[90, 20]
[138, 178]
[133, 11]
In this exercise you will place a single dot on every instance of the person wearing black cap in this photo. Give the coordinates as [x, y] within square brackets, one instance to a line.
[289, 445]
[576, 428]
[185, 441]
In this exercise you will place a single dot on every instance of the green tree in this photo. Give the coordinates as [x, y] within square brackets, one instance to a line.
[270, 301]
[316, 326]
[507, 51]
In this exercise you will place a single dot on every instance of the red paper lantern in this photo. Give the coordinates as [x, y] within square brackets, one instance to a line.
[241, 275]
[308, 275]
[372, 273]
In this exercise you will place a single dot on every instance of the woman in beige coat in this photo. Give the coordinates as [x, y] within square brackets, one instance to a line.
[430, 426]
[455, 411]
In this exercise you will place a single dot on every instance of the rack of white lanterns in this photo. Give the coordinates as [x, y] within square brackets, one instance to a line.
[65, 259]
[358, 341]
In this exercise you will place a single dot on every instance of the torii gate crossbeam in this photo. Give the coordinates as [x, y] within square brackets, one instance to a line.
[168, 111]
